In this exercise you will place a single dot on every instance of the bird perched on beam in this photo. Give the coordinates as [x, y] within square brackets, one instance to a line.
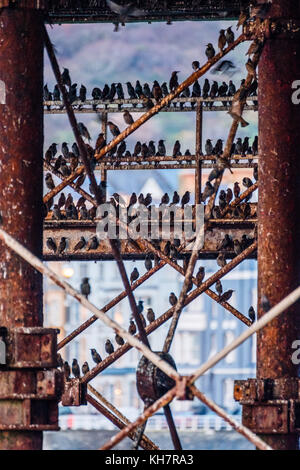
[222, 40]
[100, 142]
[226, 296]
[221, 260]
[113, 129]
[109, 347]
[75, 369]
[49, 181]
[150, 315]
[251, 314]
[119, 340]
[83, 131]
[132, 328]
[96, 356]
[51, 244]
[85, 287]
[219, 288]
[210, 51]
[172, 299]
[66, 77]
[157, 91]
[196, 65]
[66, 370]
[185, 199]
[229, 36]
[200, 275]
[62, 245]
[173, 83]
[81, 244]
[85, 368]
[134, 275]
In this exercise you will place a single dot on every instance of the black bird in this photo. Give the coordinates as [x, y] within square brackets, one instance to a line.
[161, 148]
[84, 131]
[173, 299]
[120, 91]
[56, 93]
[119, 340]
[255, 146]
[112, 92]
[157, 91]
[176, 149]
[196, 65]
[93, 244]
[255, 171]
[237, 247]
[49, 181]
[73, 92]
[213, 92]
[173, 83]
[137, 149]
[82, 93]
[150, 315]
[62, 245]
[138, 89]
[200, 275]
[176, 198]
[151, 148]
[113, 129]
[251, 314]
[221, 41]
[109, 347]
[196, 92]
[105, 92]
[130, 90]
[132, 328]
[85, 368]
[226, 243]
[66, 77]
[66, 370]
[128, 118]
[147, 91]
[231, 88]
[210, 51]
[75, 369]
[51, 244]
[208, 191]
[85, 287]
[265, 303]
[140, 306]
[134, 275]
[133, 200]
[80, 245]
[144, 150]
[206, 88]
[221, 260]
[209, 147]
[96, 93]
[148, 262]
[96, 356]
[185, 199]
[247, 182]
[219, 288]
[165, 199]
[164, 89]
[226, 296]
[60, 361]
[229, 35]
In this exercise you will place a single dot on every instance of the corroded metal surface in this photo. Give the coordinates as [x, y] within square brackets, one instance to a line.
[21, 135]
[278, 232]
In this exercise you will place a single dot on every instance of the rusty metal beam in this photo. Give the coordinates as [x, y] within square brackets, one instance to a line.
[279, 182]
[21, 133]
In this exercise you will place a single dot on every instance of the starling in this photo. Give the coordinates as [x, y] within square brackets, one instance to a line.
[85, 287]
[109, 347]
[200, 275]
[138, 89]
[120, 92]
[206, 88]
[66, 77]
[85, 368]
[56, 214]
[221, 261]
[113, 129]
[231, 88]
[255, 146]
[60, 362]
[161, 148]
[51, 244]
[131, 92]
[148, 200]
[134, 276]
[219, 288]
[251, 314]
[173, 252]
[128, 118]
[239, 147]
[255, 172]
[137, 149]
[222, 40]
[210, 52]
[247, 182]
[216, 213]
[196, 92]
[56, 93]
[147, 91]
[167, 248]
[105, 92]
[140, 306]
[215, 173]
[229, 35]
[237, 247]
[226, 296]
[208, 191]
[165, 199]
[176, 148]
[66, 370]
[251, 68]
[229, 196]
[148, 262]
[119, 340]
[82, 93]
[83, 131]
[144, 150]
[141, 199]
[150, 315]
[49, 181]
[75, 369]
[96, 94]
[132, 328]
[157, 92]
[121, 149]
[80, 245]
[100, 142]
[93, 244]
[176, 198]
[164, 89]
[236, 189]
[185, 199]
[208, 147]
[196, 65]
[151, 148]
[83, 212]
[133, 200]
[226, 243]
[48, 156]
[173, 299]
[173, 84]
[96, 356]
[62, 245]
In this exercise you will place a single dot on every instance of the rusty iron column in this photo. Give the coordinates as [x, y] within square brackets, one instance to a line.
[278, 208]
[21, 184]
[198, 152]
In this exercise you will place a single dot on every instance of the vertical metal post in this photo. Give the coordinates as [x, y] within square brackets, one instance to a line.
[21, 182]
[279, 202]
[104, 130]
[198, 170]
